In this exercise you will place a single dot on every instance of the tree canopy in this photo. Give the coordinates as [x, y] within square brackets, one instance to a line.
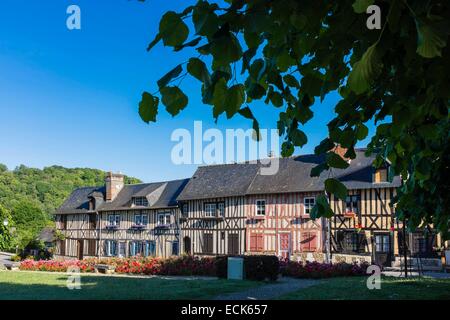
[291, 53]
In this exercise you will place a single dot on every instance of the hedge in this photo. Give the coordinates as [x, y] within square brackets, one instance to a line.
[257, 267]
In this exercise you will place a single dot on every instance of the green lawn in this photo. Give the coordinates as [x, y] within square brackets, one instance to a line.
[355, 288]
[35, 285]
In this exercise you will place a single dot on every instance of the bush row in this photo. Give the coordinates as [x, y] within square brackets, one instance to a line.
[316, 270]
[259, 267]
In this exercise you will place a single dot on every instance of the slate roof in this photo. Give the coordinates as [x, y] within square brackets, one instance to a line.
[163, 195]
[293, 176]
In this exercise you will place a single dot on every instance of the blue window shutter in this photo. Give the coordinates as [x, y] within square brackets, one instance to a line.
[106, 251]
[114, 246]
[146, 249]
[133, 248]
[152, 248]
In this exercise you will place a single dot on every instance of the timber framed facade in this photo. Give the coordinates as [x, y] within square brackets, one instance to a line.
[234, 209]
[120, 220]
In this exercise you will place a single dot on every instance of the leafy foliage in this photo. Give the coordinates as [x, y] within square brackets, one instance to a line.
[6, 241]
[292, 52]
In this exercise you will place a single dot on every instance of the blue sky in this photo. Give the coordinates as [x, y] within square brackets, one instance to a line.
[70, 98]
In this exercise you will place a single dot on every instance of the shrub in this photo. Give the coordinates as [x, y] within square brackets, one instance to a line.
[316, 270]
[16, 258]
[257, 267]
[184, 265]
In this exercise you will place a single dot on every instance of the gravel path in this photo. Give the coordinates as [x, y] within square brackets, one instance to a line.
[269, 291]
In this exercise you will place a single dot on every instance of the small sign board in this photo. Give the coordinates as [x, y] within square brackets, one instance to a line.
[235, 268]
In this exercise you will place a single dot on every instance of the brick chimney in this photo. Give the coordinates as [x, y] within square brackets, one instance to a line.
[114, 182]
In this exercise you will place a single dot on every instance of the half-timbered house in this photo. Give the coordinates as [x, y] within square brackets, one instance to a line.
[233, 209]
[120, 220]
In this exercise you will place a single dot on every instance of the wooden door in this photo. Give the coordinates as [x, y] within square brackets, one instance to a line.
[80, 245]
[383, 252]
[187, 245]
[233, 244]
[284, 245]
[207, 243]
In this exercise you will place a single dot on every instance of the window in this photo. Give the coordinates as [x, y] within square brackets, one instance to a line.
[351, 242]
[256, 242]
[221, 209]
[175, 248]
[351, 204]
[114, 220]
[308, 242]
[140, 201]
[382, 243]
[309, 204]
[122, 249]
[260, 207]
[207, 243]
[210, 209]
[136, 248]
[164, 218]
[151, 248]
[110, 248]
[380, 175]
[140, 219]
[214, 209]
[185, 209]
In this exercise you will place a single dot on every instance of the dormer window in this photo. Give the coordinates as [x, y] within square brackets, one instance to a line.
[380, 175]
[140, 201]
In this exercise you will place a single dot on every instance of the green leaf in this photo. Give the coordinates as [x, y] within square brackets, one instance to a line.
[158, 38]
[191, 43]
[303, 113]
[247, 113]
[246, 57]
[322, 208]
[361, 131]
[174, 99]
[364, 71]
[172, 29]
[430, 42]
[226, 50]
[197, 68]
[205, 20]
[276, 99]
[298, 20]
[219, 97]
[335, 161]
[324, 146]
[287, 149]
[317, 170]
[360, 6]
[235, 99]
[148, 107]
[175, 72]
[298, 137]
[290, 80]
[336, 187]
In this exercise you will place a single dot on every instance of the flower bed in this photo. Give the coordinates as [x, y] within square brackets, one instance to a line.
[185, 265]
[316, 270]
